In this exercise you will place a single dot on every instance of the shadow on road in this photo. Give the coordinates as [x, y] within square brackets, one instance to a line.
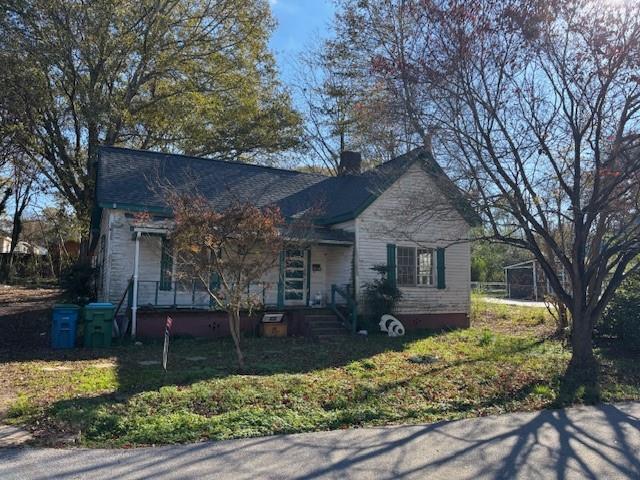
[586, 442]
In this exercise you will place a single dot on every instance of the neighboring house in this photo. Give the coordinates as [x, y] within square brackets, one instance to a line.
[405, 214]
[21, 248]
[5, 244]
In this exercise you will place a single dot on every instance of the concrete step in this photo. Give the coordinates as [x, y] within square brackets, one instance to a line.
[325, 326]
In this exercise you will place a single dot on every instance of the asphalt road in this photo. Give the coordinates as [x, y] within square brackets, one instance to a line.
[586, 442]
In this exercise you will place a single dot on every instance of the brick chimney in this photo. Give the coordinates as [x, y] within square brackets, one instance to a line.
[428, 142]
[350, 163]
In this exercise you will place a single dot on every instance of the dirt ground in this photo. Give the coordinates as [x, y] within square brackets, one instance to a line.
[25, 316]
[14, 299]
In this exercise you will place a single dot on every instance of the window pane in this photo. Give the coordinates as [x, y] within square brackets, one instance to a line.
[406, 265]
[294, 263]
[425, 266]
[294, 284]
[294, 273]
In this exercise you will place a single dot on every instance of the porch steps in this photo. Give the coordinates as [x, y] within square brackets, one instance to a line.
[325, 326]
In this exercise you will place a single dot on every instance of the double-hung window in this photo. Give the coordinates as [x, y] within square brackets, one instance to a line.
[415, 266]
[406, 264]
[424, 266]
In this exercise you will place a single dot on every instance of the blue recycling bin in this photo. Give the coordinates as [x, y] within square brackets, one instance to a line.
[64, 325]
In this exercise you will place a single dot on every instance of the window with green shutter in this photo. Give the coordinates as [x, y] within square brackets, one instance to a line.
[415, 267]
[166, 265]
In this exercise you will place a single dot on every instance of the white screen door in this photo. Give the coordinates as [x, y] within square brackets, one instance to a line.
[295, 275]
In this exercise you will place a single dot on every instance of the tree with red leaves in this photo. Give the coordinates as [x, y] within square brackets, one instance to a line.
[226, 251]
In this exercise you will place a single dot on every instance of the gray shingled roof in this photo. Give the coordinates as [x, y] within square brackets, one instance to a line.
[133, 178]
[130, 178]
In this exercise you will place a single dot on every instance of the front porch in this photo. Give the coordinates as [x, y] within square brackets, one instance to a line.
[306, 279]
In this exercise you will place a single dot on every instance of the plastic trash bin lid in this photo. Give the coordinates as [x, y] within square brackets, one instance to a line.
[99, 305]
[60, 306]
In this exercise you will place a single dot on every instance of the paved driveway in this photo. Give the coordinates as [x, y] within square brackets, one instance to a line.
[515, 303]
[586, 442]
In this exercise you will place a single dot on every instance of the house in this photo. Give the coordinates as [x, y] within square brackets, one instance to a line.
[22, 247]
[405, 214]
[5, 244]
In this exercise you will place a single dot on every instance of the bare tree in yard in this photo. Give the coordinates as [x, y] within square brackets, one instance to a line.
[226, 251]
[538, 104]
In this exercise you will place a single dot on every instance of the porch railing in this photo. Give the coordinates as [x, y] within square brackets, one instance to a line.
[350, 318]
[182, 294]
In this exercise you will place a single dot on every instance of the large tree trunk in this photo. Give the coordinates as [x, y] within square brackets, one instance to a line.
[582, 341]
[234, 327]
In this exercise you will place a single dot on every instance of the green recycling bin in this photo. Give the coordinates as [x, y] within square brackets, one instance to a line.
[98, 324]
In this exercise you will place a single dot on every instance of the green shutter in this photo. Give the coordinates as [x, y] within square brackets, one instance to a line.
[441, 268]
[214, 281]
[391, 264]
[166, 265]
[281, 281]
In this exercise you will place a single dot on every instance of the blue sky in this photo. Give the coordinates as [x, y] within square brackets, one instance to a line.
[299, 23]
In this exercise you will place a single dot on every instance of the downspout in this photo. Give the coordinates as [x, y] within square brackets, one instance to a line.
[134, 307]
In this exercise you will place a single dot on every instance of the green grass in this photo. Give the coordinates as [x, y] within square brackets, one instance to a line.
[507, 361]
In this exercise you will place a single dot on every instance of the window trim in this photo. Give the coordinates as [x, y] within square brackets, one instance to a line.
[434, 267]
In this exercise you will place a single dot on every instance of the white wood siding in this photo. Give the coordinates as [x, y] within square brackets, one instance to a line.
[335, 267]
[392, 218]
[120, 262]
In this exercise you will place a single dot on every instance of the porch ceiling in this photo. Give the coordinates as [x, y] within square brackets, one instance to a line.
[332, 236]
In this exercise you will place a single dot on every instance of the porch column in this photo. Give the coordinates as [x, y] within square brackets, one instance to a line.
[134, 306]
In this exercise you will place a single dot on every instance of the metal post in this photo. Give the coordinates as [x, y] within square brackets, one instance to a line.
[134, 307]
[175, 293]
[506, 282]
[535, 281]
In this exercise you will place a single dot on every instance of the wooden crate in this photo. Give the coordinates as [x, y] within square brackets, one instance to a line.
[273, 329]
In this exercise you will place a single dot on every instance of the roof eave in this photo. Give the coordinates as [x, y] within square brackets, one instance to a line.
[132, 207]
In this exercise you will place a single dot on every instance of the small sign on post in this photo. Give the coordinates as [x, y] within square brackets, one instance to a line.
[167, 334]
